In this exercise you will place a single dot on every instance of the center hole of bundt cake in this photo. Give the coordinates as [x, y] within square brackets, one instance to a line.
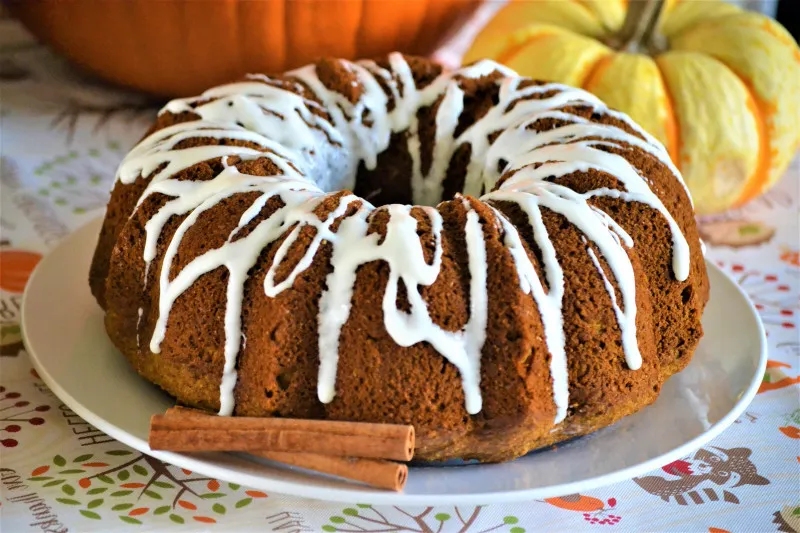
[389, 182]
[393, 188]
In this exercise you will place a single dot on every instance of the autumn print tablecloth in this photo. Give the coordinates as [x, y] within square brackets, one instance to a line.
[61, 138]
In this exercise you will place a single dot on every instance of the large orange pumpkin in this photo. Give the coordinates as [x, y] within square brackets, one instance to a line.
[182, 47]
[719, 86]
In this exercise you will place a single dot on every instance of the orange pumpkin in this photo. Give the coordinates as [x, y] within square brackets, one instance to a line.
[15, 269]
[182, 47]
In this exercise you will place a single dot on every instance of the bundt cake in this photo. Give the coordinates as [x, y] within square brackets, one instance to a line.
[516, 264]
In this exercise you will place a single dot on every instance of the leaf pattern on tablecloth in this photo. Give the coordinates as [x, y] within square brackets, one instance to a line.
[776, 377]
[788, 519]
[775, 295]
[16, 266]
[594, 510]
[790, 256]
[364, 518]
[80, 180]
[19, 416]
[791, 429]
[135, 487]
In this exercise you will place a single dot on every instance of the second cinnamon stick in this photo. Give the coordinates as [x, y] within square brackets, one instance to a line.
[374, 472]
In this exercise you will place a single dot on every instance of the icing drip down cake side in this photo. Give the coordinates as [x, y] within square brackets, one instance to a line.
[502, 263]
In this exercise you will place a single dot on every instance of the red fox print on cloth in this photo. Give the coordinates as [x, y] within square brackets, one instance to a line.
[709, 475]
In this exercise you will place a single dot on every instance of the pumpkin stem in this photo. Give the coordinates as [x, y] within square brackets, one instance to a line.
[639, 32]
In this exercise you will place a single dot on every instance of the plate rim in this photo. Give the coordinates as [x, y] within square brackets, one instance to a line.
[370, 495]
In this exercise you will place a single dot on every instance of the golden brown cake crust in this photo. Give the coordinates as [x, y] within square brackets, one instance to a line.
[378, 380]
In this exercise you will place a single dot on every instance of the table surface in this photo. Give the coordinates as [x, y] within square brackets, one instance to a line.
[61, 138]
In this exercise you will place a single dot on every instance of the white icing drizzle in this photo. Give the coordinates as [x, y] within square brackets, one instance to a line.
[402, 250]
[318, 144]
[548, 302]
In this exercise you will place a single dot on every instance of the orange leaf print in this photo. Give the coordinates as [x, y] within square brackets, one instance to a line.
[777, 364]
[213, 485]
[780, 384]
[255, 494]
[187, 472]
[717, 530]
[132, 485]
[94, 464]
[138, 511]
[187, 505]
[576, 502]
[39, 471]
[205, 519]
[791, 431]
[790, 256]
[85, 483]
[15, 269]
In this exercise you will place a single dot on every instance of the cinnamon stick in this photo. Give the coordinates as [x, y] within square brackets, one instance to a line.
[374, 472]
[377, 473]
[342, 439]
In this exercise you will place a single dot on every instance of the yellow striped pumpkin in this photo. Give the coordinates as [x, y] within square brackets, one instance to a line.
[719, 86]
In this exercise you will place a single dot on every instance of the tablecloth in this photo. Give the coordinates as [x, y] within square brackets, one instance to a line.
[61, 137]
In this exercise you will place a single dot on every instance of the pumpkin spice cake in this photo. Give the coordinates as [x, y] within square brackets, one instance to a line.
[502, 263]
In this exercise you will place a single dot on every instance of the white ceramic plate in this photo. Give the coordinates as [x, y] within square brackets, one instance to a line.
[63, 329]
